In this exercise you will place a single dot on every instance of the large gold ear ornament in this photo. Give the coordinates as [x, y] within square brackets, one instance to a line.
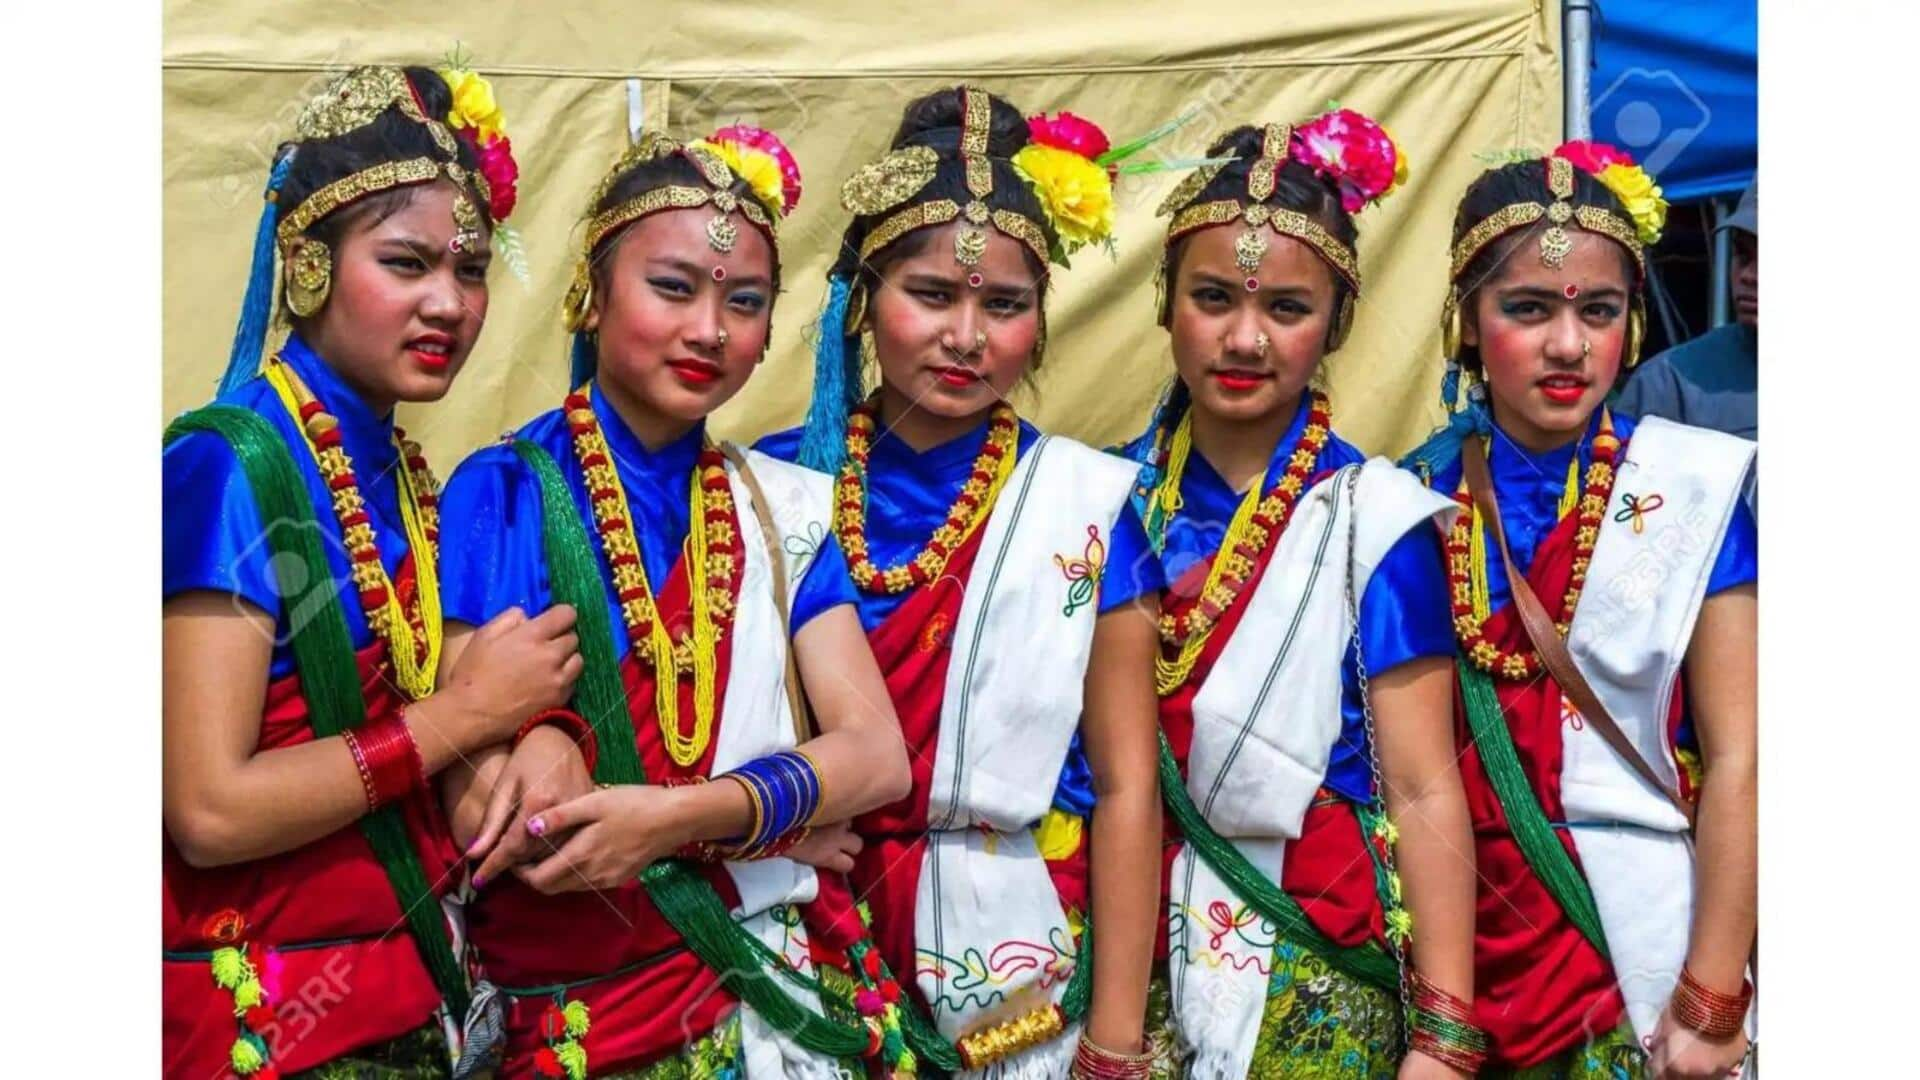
[856, 309]
[1636, 331]
[1450, 326]
[579, 300]
[309, 277]
[1342, 321]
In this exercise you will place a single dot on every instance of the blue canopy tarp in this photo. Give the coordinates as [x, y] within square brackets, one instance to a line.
[1676, 85]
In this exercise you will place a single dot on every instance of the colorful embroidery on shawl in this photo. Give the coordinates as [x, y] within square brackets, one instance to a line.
[1635, 509]
[1083, 572]
[801, 547]
[937, 634]
[977, 981]
[1234, 936]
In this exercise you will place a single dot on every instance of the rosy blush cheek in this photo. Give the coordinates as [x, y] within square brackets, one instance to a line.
[1507, 350]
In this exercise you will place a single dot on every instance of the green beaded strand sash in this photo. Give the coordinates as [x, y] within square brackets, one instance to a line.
[323, 655]
[1526, 819]
[1368, 962]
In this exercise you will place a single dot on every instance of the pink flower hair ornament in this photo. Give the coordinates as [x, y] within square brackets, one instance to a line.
[1353, 152]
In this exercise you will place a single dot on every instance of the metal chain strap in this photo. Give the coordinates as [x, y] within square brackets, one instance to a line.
[1366, 711]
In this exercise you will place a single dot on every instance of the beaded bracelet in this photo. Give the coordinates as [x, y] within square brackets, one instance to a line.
[1709, 1012]
[388, 759]
[1091, 1061]
[573, 723]
[1441, 1026]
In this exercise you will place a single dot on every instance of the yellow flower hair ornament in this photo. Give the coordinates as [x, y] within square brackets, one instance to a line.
[757, 156]
[1631, 184]
[477, 120]
[1071, 166]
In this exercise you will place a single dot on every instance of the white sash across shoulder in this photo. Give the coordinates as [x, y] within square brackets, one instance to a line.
[1264, 724]
[1629, 636]
[991, 939]
[756, 720]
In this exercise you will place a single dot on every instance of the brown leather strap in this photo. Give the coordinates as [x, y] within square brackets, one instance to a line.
[1546, 636]
[803, 726]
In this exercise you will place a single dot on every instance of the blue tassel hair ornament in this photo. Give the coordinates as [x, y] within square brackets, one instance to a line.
[256, 310]
[584, 359]
[1442, 448]
[836, 383]
[1149, 449]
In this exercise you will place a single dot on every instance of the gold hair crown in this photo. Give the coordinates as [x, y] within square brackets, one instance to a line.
[721, 231]
[353, 101]
[1554, 241]
[1251, 247]
[884, 184]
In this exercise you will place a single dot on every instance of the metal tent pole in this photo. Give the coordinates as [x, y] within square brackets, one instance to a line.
[1576, 65]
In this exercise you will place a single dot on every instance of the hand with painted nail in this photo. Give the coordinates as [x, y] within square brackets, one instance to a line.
[545, 770]
[616, 832]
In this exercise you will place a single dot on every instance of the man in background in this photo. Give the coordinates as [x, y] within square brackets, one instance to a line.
[1712, 381]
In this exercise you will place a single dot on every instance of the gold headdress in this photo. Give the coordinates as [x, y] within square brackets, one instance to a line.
[1642, 225]
[902, 173]
[353, 101]
[722, 233]
[1350, 151]
[1554, 241]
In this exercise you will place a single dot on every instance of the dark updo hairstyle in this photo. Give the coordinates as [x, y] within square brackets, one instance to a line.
[1521, 182]
[630, 182]
[1296, 187]
[305, 166]
[935, 120]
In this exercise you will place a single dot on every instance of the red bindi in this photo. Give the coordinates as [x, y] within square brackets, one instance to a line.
[974, 280]
[719, 273]
[1571, 292]
[1253, 284]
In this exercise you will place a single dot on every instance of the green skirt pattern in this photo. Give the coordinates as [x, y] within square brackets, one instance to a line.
[1318, 1024]
[1613, 1056]
[421, 1054]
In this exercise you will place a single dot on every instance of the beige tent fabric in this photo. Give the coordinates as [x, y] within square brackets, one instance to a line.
[1451, 79]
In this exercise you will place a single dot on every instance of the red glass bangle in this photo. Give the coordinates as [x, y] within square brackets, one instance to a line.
[1707, 1011]
[360, 763]
[1091, 1061]
[573, 723]
[388, 758]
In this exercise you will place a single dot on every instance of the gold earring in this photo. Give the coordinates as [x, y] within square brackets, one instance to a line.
[1160, 312]
[1450, 327]
[856, 308]
[579, 298]
[869, 352]
[309, 278]
[1636, 332]
[1342, 323]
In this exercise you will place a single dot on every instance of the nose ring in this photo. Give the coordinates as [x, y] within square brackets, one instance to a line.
[723, 338]
[979, 341]
[1586, 348]
[1261, 343]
